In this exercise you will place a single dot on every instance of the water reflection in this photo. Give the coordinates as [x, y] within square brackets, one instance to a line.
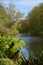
[36, 46]
[33, 44]
[25, 52]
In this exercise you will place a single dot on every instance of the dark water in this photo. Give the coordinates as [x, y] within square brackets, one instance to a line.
[34, 44]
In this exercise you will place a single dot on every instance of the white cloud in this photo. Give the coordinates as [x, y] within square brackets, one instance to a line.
[28, 2]
[24, 2]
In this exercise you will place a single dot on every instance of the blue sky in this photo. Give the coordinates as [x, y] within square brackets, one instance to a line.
[24, 5]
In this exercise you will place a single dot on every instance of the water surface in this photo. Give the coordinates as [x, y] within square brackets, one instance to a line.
[34, 44]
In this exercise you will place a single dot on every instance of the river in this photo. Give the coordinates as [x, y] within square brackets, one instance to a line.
[34, 44]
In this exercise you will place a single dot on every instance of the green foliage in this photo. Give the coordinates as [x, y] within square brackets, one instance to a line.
[6, 61]
[3, 20]
[21, 59]
[2, 54]
[8, 18]
[8, 47]
[36, 59]
[14, 30]
[3, 16]
[6, 41]
[22, 26]
[35, 20]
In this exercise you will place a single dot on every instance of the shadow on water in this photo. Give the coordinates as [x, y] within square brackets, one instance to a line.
[34, 44]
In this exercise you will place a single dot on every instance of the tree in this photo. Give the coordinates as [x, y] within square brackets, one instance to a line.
[13, 14]
[35, 20]
[3, 16]
[22, 26]
[3, 20]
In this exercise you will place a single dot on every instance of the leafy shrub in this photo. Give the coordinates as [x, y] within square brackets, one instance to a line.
[6, 61]
[9, 45]
[2, 55]
[21, 59]
[37, 59]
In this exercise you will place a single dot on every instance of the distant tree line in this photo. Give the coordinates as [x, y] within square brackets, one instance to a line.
[11, 21]
[33, 22]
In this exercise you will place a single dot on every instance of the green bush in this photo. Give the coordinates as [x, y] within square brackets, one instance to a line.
[36, 59]
[2, 55]
[9, 45]
[4, 61]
